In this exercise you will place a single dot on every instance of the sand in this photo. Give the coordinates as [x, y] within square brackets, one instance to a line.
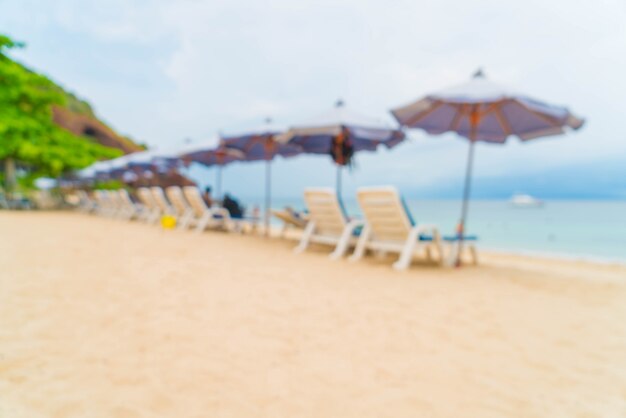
[105, 318]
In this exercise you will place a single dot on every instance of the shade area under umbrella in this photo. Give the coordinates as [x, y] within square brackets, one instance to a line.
[481, 110]
[260, 144]
[341, 132]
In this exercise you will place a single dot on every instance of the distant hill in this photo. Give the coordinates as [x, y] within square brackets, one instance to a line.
[78, 117]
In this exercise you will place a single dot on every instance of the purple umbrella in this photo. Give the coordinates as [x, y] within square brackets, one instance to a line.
[480, 110]
[340, 133]
[260, 144]
[210, 153]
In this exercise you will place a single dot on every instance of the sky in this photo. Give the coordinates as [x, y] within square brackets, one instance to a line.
[165, 72]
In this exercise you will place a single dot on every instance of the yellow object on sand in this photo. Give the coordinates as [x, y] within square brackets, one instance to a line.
[168, 222]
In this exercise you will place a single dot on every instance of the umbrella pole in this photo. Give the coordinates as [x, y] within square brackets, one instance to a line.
[338, 181]
[218, 182]
[466, 197]
[268, 195]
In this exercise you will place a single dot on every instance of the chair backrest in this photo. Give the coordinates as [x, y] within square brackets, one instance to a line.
[326, 211]
[175, 195]
[114, 199]
[195, 200]
[124, 197]
[83, 198]
[385, 213]
[101, 198]
[160, 200]
[145, 196]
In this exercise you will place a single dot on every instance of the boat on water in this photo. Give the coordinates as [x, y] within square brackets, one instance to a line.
[521, 200]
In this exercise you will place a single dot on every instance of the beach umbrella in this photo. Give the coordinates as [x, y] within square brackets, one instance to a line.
[117, 167]
[211, 153]
[260, 144]
[87, 173]
[481, 110]
[160, 160]
[340, 133]
[101, 170]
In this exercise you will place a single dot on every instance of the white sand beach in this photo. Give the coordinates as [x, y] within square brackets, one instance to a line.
[104, 318]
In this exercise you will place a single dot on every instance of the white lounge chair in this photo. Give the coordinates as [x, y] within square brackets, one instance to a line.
[117, 207]
[203, 216]
[328, 223]
[128, 209]
[389, 227]
[159, 197]
[151, 211]
[105, 205]
[184, 212]
[290, 220]
[85, 203]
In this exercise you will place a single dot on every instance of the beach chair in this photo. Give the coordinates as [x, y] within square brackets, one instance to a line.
[161, 201]
[105, 205]
[4, 203]
[99, 200]
[328, 223]
[111, 202]
[151, 211]
[203, 216]
[85, 203]
[45, 200]
[184, 212]
[290, 220]
[122, 208]
[389, 227]
[129, 210]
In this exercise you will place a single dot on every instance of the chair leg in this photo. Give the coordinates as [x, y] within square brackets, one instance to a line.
[190, 219]
[406, 256]
[473, 253]
[184, 220]
[156, 214]
[306, 238]
[361, 244]
[203, 222]
[450, 258]
[344, 241]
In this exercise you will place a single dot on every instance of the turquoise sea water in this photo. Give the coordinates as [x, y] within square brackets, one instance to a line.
[585, 229]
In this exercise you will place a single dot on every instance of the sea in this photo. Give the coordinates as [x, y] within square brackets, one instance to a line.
[591, 230]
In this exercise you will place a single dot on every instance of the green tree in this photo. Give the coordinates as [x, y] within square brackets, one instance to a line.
[28, 135]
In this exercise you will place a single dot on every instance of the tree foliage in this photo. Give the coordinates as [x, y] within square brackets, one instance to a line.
[27, 132]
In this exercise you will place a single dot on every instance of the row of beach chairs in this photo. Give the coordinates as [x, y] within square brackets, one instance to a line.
[386, 227]
[185, 204]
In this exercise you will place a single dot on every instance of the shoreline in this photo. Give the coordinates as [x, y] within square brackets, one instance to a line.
[556, 256]
[540, 255]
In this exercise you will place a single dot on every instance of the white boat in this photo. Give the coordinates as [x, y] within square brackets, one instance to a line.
[521, 200]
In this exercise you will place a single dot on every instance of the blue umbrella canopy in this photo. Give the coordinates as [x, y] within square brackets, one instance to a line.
[260, 143]
[158, 159]
[117, 167]
[211, 153]
[485, 111]
[317, 135]
[481, 110]
[340, 133]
